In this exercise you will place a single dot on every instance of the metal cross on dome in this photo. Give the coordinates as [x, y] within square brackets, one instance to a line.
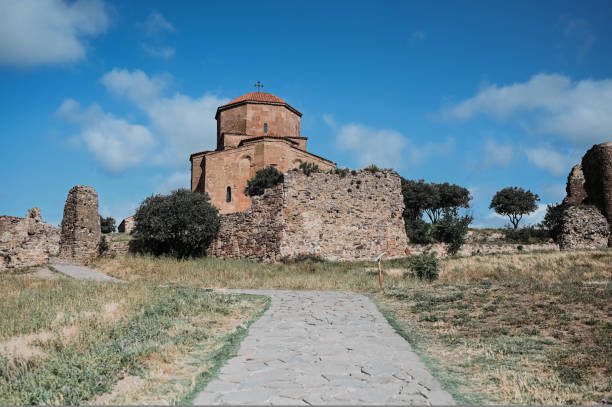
[258, 85]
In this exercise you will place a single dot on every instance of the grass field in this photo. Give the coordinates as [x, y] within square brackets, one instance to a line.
[64, 341]
[529, 328]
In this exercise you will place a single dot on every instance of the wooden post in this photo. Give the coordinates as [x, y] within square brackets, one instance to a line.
[380, 275]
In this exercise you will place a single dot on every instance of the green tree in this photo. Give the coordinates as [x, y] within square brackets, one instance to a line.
[181, 224]
[107, 225]
[264, 178]
[452, 229]
[552, 220]
[514, 202]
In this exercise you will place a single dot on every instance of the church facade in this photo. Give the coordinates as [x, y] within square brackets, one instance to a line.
[254, 131]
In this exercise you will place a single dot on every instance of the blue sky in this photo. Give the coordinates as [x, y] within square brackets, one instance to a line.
[116, 95]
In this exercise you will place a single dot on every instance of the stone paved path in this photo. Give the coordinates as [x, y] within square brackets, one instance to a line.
[323, 347]
[80, 272]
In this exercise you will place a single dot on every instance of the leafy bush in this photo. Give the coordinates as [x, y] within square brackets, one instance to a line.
[181, 224]
[452, 229]
[107, 225]
[526, 235]
[308, 168]
[265, 178]
[417, 230]
[424, 266]
[372, 168]
[103, 246]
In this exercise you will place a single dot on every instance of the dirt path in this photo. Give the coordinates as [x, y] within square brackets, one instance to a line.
[80, 272]
[323, 347]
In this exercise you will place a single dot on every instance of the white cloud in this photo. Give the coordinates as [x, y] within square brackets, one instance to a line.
[549, 104]
[497, 155]
[385, 147]
[556, 192]
[156, 23]
[579, 35]
[37, 32]
[163, 52]
[137, 86]
[552, 161]
[329, 120]
[187, 124]
[115, 144]
[179, 179]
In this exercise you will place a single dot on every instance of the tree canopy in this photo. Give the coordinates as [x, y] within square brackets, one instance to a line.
[181, 224]
[514, 202]
[107, 225]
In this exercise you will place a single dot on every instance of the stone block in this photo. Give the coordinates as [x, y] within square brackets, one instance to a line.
[80, 236]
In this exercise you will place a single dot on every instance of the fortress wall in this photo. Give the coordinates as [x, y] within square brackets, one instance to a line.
[355, 217]
[254, 233]
[26, 242]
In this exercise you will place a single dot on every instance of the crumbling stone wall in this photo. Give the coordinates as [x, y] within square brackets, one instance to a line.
[597, 169]
[255, 233]
[575, 186]
[28, 241]
[80, 236]
[127, 225]
[583, 227]
[354, 217]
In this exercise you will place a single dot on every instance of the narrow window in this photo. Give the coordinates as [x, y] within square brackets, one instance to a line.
[265, 128]
[228, 195]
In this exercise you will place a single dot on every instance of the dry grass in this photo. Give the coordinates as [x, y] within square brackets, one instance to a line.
[65, 341]
[517, 329]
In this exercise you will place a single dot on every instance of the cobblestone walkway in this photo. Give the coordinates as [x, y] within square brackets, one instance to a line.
[323, 347]
[80, 272]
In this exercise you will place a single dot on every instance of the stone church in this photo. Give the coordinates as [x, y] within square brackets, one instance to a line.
[254, 131]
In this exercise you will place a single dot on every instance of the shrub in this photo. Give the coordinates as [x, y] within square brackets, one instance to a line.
[417, 230]
[107, 225]
[526, 235]
[181, 224]
[265, 178]
[452, 229]
[103, 246]
[343, 172]
[308, 168]
[372, 168]
[424, 266]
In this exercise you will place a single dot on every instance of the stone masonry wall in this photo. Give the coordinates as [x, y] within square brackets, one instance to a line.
[575, 186]
[597, 169]
[355, 217]
[254, 233]
[583, 227]
[80, 236]
[28, 241]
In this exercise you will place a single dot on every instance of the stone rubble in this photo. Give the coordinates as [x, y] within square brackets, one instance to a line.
[583, 227]
[597, 169]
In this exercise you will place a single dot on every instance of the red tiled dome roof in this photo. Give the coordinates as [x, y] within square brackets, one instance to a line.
[257, 97]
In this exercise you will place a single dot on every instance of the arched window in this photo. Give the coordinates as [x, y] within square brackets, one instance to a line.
[228, 195]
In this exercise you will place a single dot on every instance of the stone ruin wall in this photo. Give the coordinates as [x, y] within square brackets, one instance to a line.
[586, 222]
[80, 236]
[355, 217]
[26, 242]
[255, 233]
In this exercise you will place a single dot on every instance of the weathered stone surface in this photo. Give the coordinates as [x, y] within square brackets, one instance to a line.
[597, 169]
[469, 249]
[80, 236]
[574, 188]
[26, 242]
[127, 225]
[323, 348]
[583, 227]
[355, 217]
